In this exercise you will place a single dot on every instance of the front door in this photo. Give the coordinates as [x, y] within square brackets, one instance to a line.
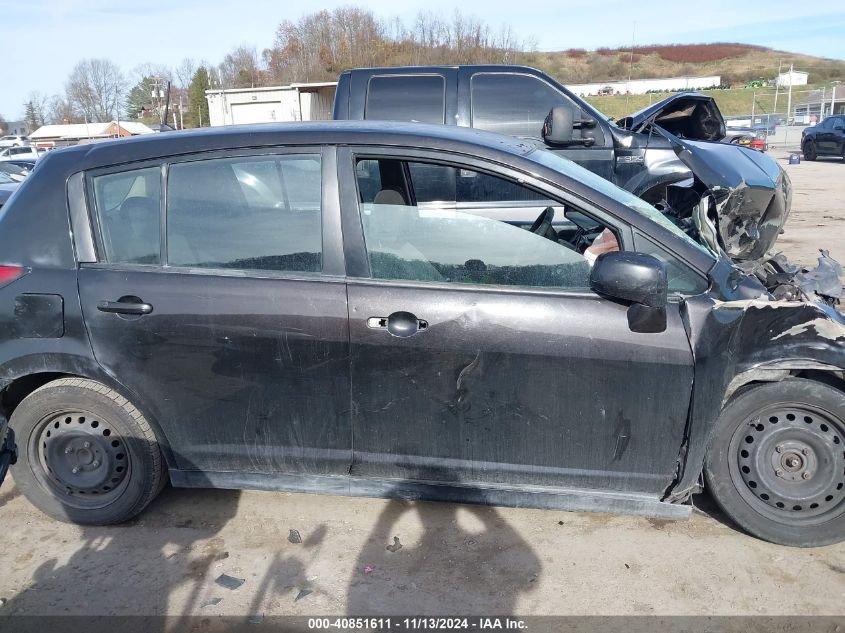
[223, 312]
[480, 355]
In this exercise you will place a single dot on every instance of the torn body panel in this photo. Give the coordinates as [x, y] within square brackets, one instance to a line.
[748, 340]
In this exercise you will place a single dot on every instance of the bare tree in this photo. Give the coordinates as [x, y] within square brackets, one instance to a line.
[96, 88]
[241, 69]
[185, 72]
[60, 110]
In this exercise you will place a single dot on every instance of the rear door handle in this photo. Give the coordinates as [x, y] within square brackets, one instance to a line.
[125, 305]
[399, 324]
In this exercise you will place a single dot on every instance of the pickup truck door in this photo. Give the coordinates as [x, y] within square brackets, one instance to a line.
[516, 103]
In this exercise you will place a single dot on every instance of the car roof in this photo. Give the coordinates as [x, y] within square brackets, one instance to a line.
[384, 133]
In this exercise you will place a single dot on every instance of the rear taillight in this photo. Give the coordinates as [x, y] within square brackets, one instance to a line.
[8, 274]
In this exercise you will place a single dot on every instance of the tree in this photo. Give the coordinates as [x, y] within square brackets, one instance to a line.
[60, 110]
[241, 69]
[2, 124]
[96, 88]
[35, 111]
[139, 101]
[197, 112]
[185, 72]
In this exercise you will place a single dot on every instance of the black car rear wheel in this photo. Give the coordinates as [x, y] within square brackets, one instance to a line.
[809, 150]
[86, 455]
[776, 462]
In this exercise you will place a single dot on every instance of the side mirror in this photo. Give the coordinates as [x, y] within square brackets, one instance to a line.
[635, 279]
[558, 126]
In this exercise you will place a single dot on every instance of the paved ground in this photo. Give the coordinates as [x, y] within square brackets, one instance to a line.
[453, 559]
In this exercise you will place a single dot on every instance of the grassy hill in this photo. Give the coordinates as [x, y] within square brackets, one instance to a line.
[732, 102]
[737, 64]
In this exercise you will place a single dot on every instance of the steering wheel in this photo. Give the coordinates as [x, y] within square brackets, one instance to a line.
[543, 224]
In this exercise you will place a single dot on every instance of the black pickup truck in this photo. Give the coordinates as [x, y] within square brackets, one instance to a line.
[516, 100]
[733, 199]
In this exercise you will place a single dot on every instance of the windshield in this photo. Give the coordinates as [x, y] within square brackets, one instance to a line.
[4, 179]
[576, 172]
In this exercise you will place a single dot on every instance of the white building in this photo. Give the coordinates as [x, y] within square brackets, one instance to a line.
[295, 102]
[643, 86]
[792, 78]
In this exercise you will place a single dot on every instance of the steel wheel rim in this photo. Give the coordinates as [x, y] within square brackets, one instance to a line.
[80, 458]
[787, 462]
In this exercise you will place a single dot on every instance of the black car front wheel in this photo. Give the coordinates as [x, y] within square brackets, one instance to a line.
[809, 150]
[776, 462]
[85, 453]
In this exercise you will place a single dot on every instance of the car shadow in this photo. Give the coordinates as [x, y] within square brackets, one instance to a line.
[160, 557]
[420, 554]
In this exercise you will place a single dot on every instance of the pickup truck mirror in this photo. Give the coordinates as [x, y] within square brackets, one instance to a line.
[638, 280]
[558, 126]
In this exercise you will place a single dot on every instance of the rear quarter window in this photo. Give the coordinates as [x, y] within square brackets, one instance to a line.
[128, 208]
[417, 98]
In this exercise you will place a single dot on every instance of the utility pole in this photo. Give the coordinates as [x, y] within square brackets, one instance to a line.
[777, 89]
[753, 105]
[788, 104]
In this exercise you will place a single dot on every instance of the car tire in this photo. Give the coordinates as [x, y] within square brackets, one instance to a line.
[775, 463]
[86, 455]
[809, 151]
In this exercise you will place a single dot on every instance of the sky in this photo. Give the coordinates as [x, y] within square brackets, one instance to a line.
[41, 40]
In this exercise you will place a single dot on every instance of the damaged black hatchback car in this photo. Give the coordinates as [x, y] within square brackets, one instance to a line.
[416, 311]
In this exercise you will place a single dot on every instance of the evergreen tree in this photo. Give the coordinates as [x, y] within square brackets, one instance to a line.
[139, 102]
[33, 116]
[196, 114]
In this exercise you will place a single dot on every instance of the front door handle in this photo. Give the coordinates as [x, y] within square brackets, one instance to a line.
[125, 305]
[399, 324]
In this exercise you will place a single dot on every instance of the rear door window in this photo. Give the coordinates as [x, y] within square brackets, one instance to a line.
[246, 213]
[417, 98]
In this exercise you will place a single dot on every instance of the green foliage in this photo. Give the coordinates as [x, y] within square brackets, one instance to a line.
[139, 101]
[33, 115]
[196, 115]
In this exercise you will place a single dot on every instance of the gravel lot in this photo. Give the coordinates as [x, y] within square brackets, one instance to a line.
[453, 559]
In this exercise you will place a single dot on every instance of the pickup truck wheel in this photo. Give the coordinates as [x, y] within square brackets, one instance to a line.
[809, 150]
[776, 462]
[86, 454]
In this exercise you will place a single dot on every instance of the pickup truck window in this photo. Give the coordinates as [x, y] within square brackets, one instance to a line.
[416, 99]
[513, 104]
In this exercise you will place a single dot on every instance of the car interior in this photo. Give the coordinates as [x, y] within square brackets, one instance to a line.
[427, 185]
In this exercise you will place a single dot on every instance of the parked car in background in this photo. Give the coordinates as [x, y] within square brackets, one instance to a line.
[13, 140]
[825, 139]
[15, 152]
[27, 164]
[7, 187]
[13, 171]
[484, 322]
[747, 136]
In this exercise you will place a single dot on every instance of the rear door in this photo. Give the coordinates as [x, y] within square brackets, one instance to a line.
[222, 306]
